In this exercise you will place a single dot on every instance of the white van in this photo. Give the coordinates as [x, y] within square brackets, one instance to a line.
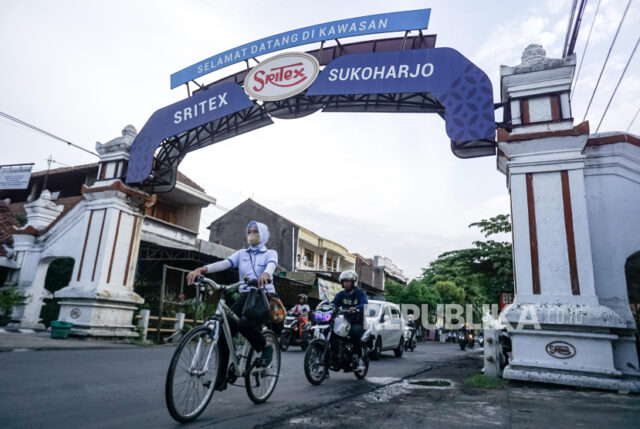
[387, 327]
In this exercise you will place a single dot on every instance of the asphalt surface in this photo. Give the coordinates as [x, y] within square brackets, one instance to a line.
[124, 387]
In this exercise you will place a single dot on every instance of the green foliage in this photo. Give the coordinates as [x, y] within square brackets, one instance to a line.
[450, 293]
[494, 225]
[480, 272]
[9, 298]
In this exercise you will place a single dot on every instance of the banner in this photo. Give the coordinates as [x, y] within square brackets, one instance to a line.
[371, 24]
[15, 176]
[203, 107]
[327, 290]
[464, 90]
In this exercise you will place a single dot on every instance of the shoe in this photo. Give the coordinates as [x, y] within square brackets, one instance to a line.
[266, 357]
[221, 384]
[361, 365]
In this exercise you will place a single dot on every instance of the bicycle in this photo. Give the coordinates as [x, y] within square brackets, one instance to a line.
[193, 370]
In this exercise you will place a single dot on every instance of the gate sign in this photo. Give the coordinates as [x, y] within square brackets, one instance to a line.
[15, 176]
[371, 24]
[464, 89]
[282, 76]
[201, 108]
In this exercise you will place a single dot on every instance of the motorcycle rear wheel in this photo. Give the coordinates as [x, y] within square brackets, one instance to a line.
[285, 340]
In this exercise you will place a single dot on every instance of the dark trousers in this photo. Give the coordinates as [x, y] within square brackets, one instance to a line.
[250, 331]
[355, 335]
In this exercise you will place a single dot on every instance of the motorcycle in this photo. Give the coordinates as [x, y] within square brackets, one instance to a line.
[332, 350]
[410, 341]
[293, 335]
[466, 339]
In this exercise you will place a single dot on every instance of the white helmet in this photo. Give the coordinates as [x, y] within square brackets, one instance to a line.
[349, 275]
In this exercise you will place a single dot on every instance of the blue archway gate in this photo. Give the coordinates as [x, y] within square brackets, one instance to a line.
[402, 75]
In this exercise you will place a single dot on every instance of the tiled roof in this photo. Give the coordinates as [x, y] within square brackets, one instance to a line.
[184, 179]
[63, 170]
[86, 167]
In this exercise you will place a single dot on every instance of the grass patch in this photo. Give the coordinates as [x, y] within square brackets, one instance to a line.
[481, 381]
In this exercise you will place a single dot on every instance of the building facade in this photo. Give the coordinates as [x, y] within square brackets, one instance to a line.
[108, 230]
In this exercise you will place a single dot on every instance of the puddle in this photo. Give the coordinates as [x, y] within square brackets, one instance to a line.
[432, 383]
[386, 393]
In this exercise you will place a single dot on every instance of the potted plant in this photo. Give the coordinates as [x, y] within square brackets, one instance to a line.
[9, 298]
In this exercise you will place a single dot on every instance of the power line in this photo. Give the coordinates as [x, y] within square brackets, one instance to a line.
[567, 37]
[606, 59]
[584, 52]
[633, 120]
[576, 29]
[618, 84]
[46, 133]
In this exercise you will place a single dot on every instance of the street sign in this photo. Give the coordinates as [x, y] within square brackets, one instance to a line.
[371, 24]
[15, 176]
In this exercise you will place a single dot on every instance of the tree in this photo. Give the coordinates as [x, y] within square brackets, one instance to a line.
[482, 271]
[450, 293]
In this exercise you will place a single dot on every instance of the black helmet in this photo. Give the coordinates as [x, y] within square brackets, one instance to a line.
[304, 297]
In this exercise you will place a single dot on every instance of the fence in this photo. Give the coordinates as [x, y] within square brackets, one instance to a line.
[145, 319]
[178, 325]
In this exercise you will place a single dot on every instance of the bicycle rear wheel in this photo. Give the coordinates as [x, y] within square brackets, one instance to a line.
[261, 382]
[191, 377]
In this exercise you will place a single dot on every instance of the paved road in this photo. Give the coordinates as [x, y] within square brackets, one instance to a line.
[125, 388]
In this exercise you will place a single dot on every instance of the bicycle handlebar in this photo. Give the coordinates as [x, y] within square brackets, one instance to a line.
[201, 279]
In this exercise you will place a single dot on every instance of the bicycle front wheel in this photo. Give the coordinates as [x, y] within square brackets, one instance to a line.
[261, 382]
[191, 377]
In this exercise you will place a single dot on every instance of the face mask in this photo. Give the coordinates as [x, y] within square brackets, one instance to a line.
[253, 239]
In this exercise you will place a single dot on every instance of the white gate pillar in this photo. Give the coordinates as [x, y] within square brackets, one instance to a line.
[568, 336]
[100, 300]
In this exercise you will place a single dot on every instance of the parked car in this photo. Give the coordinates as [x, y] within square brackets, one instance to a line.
[385, 322]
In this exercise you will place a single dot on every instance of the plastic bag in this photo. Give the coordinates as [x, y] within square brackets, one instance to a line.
[256, 308]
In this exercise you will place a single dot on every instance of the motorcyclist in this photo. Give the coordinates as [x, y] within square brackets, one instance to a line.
[301, 311]
[411, 324]
[257, 263]
[354, 299]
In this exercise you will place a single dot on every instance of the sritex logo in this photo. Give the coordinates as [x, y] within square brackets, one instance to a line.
[560, 350]
[282, 76]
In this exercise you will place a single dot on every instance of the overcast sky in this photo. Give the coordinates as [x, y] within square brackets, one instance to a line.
[383, 184]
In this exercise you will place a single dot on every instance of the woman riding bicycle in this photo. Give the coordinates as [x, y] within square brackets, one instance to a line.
[257, 263]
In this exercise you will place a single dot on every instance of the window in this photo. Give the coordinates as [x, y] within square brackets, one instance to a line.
[372, 309]
[308, 258]
[387, 314]
[395, 314]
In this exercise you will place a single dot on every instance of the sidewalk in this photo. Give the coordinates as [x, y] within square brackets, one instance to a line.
[425, 401]
[20, 340]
